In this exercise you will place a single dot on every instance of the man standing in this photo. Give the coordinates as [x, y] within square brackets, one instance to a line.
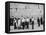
[15, 23]
[27, 23]
[23, 23]
[32, 23]
[19, 24]
[38, 22]
[41, 20]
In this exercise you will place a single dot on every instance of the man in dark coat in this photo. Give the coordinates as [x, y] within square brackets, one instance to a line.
[32, 23]
[41, 20]
[38, 22]
[15, 22]
[11, 22]
[27, 23]
[23, 24]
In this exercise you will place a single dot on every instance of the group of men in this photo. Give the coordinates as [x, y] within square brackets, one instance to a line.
[24, 23]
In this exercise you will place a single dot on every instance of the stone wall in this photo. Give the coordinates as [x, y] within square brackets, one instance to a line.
[18, 10]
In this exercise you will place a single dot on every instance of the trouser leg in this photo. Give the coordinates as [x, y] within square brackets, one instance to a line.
[27, 25]
[15, 26]
[32, 26]
[41, 22]
[23, 26]
[38, 23]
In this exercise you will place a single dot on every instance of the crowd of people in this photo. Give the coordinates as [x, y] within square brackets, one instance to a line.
[19, 23]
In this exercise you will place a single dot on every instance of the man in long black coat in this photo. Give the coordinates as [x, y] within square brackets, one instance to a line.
[38, 22]
[32, 24]
[41, 20]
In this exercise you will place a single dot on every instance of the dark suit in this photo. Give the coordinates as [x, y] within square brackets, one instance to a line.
[32, 24]
[25, 24]
[30, 21]
[38, 22]
[41, 21]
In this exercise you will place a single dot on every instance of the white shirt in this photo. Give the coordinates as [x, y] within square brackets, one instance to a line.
[19, 22]
[32, 19]
[23, 20]
[27, 20]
